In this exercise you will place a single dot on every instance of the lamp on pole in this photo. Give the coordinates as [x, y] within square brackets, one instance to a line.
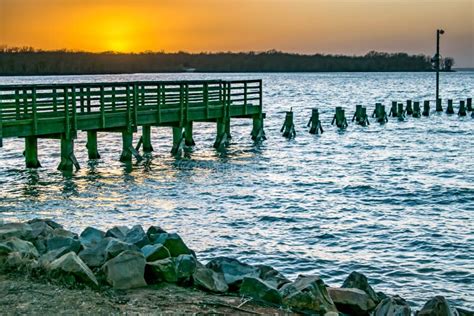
[437, 61]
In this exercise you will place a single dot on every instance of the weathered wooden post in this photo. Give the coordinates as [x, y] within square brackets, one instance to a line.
[380, 113]
[439, 106]
[363, 117]
[357, 113]
[68, 159]
[221, 137]
[340, 118]
[462, 108]
[227, 127]
[258, 134]
[416, 109]
[400, 112]
[393, 109]
[91, 145]
[31, 152]
[426, 108]
[188, 134]
[127, 147]
[178, 141]
[409, 108]
[450, 108]
[146, 139]
[315, 123]
[288, 128]
[469, 104]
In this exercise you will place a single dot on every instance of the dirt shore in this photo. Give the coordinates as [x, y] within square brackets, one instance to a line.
[20, 295]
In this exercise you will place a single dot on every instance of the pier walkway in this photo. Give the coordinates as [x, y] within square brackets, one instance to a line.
[59, 111]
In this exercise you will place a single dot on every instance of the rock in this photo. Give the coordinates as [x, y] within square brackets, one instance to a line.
[359, 281]
[59, 232]
[308, 294]
[41, 229]
[24, 248]
[52, 255]
[155, 252]
[233, 270]
[116, 247]
[18, 230]
[153, 232]
[272, 277]
[161, 271]
[96, 255]
[209, 280]
[118, 232]
[464, 312]
[126, 271]
[185, 267]
[259, 290]
[71, 269]
[137, 237]
[47, 221]
[174, 244]
[91, 236]
[437, 306]
[4, 250]
[392, 306]
[57, 242]
[351, 301]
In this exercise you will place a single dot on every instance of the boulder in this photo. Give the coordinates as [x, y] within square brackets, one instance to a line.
[95, 256]
[18, 230]
[24, 248]
[392, 306]
[351, 301]
[47, 221]
[437, 306]
[153, 232]
[185, 267]
[161, 271]
[155, 252]
[259, 290]
[359, 281]
[174, 244]
[4, 250]
[233, 270]
[137, 236]
[126, 271]
[308, 294]
[59, 232]
[116, 247]
[464, 312]
[118, 232]
[272, 277]
[41, 229]
[71, 269]
[52, 255]
[209, 280]
[57, 242]
[91, 236]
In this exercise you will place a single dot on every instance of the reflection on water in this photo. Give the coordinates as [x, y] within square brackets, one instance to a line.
[393, 201]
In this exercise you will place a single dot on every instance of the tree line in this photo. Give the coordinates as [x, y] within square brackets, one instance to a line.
[29, 61]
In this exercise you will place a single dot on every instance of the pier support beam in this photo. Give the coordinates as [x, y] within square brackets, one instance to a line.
[221, 137]
[469, 104]
[146, 139]
[68, 159]
[462, 108]
[178, 140]
[426, 108]
[31, 152]
[188, 134]
[450, 108]
[258, 134]
[92, 145]
[416, 109]
[127, 148]
[227, 127]
[439, 105]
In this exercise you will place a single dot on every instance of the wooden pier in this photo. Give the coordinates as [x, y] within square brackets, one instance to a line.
[59, 111]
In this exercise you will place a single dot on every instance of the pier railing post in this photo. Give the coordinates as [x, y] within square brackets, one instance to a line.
[31, 152]
[92, 145]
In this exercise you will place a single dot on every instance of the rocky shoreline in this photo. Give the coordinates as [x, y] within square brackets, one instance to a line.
[124, 258]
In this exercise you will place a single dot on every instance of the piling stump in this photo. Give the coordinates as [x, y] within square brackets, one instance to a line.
[462, 108]
[469, 104]
[400, 112]
[393, 109]
[409, 109]
[426, 108]
[450, 108]
[288, 128]
[379, 113]
[258, 133]
[315, 123]
[439, 106]
[416, 109]
[340, 118]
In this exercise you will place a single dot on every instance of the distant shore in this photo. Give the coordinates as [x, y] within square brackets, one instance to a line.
[27, 61]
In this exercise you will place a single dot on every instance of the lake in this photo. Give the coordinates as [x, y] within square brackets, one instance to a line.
[393, 201]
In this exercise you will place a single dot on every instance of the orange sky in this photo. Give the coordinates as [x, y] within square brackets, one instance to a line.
[306, 26]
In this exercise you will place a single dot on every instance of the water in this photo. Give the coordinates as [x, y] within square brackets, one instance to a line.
[394, 202]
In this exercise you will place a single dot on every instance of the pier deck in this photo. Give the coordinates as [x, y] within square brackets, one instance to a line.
[61, 110]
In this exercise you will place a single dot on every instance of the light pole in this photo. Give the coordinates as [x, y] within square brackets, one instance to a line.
[437, 61]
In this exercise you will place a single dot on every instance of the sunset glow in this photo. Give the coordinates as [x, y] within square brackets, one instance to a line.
[305, 26]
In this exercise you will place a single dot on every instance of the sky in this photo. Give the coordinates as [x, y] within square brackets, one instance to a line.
[350, 27]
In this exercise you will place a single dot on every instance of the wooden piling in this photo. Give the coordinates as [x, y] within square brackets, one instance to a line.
[258, 133]
[393, 109]
[450, 108]
[221, 136]
[462, 108]
[426, 108]
[68, 159]
[178, 140]
[409, 109]
[227, 127]
[92, 145]
[357, 113]
[146, 139]
[416, 109]
[127, 143]
[315, 123]
[363, 119]
[400, 112]
[340, 118]
[188, 134]
[439, 106]
[469, 104]
[288, 128]
[380, 113]
[31, 152]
